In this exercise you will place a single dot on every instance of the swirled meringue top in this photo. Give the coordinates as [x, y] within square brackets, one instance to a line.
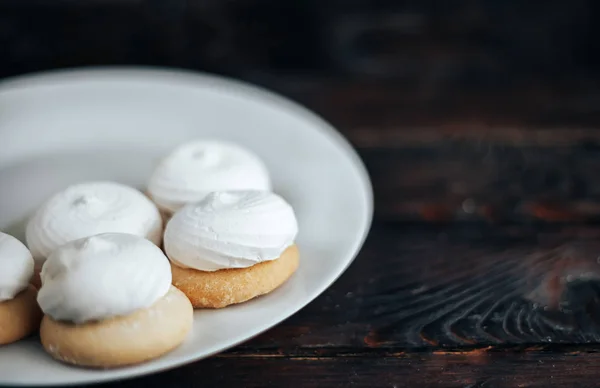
[16, 267]
[197, 168]
[88, 209]
[103, 276]
[233, 229]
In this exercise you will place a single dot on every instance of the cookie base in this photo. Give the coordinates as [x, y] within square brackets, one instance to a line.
[230, 286]
[20, 316]
[121, 341]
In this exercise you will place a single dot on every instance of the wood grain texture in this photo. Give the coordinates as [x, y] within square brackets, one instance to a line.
[483, 237]
[427, 305]
[465, 178]
[477, 121]
[419, 286]
[478, 368]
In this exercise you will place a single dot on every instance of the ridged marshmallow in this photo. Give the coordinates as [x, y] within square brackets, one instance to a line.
[16, 267]
[194, 169]
[103, 276]
[234, 229]
[88, 209]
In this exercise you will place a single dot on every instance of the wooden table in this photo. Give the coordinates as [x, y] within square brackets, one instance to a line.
[482, 265]
[483, 149]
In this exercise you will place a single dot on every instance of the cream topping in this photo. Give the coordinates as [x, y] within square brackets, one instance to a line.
[194, 169]
[88, 209]
[233, 229]
[103, 276]
[16, 267]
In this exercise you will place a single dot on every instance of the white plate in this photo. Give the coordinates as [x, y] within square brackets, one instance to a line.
[63, 127]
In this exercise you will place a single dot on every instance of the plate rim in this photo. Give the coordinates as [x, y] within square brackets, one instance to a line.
[158, 75]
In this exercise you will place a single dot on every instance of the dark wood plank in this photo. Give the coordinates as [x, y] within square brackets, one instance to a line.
[518, 104]
[466, 133]
[465, 112]
[477, 368]
[463, 178]
[418, 286]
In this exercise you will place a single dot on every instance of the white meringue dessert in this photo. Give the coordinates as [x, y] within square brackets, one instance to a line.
[108, 302]
[230, 229]
[103, 276]
[197, 168]
[19, 312]
[91, 208]
[16, 267]
[232, 247]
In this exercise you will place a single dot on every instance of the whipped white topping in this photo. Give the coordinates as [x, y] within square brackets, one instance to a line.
[88, 209]
[16, 267]
[103, 276]
[233, 229]
[197, 168]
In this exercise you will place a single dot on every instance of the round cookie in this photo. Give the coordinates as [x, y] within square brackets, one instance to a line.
[230, 286]
[120, 341]
[19, 316]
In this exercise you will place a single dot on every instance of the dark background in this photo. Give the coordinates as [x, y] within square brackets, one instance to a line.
[477, 121]
[427, 60]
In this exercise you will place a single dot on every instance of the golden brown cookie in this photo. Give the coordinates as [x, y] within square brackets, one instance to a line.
[20, 316]
[229, 286]
[141, 336]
